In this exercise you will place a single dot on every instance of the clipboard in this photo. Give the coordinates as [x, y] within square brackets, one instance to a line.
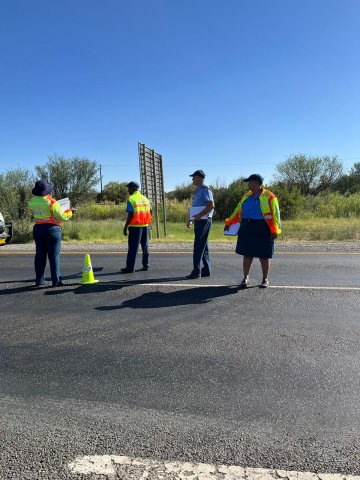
[195, 210]
[64, 204]
[233, 230]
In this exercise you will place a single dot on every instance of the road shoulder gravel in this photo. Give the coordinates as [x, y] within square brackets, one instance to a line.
[295, 247]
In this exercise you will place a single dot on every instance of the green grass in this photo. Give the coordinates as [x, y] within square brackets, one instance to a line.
[322, 229]
[112, 231]
[311, 229]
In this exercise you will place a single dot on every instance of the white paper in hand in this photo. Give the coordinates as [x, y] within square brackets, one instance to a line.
[233, 229]
[195, 210]
[64, 204]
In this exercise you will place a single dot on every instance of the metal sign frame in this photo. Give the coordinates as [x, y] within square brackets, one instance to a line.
[152, 182]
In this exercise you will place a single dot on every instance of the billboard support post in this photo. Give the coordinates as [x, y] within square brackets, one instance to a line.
[152, 182]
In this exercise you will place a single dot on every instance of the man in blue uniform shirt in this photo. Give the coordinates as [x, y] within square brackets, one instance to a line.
[203, 198]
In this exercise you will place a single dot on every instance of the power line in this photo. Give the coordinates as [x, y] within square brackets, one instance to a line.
[187, 164]
[167, 164]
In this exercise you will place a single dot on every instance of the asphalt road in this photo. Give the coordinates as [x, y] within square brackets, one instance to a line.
[154, 365]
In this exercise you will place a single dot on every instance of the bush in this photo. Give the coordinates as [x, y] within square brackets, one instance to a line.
[291, 202]
[332, 205]
[182, 192]
[15, 194]
[101, 211]
[176, 212]
[227, 198]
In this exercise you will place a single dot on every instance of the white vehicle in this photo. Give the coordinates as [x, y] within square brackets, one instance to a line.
[6, 231]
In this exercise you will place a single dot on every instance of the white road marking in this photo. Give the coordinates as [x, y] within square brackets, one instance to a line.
[139, 468]
[309, 287]
[284, 287]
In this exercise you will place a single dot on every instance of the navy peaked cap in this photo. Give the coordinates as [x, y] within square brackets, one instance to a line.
[256, 177]
[133, 185]
[198, 173]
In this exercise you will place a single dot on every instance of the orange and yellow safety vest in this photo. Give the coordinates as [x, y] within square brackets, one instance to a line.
[269, 208]
[142, 210]
[47, 210]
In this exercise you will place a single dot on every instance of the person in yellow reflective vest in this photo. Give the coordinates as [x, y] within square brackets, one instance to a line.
[137, 224]
[47, 215]
[259, 217]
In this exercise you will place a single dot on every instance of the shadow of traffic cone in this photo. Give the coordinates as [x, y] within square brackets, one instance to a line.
[88, 274]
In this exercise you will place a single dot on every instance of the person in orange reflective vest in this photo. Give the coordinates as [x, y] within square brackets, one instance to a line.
[137, 227]
[259, 217]
[47, 215]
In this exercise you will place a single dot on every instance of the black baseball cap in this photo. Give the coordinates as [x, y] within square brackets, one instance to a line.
[256, 177]
[198, 173]
[132, 185]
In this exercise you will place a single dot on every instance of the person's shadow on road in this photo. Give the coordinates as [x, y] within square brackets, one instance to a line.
[48, 279]
[108, 286]
[189, 296]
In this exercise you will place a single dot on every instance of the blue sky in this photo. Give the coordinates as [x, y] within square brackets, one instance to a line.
[229, 86]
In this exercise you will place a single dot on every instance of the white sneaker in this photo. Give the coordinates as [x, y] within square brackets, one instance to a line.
[244, 284]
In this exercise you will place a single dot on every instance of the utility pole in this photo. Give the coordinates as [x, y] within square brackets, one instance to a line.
[101, 189]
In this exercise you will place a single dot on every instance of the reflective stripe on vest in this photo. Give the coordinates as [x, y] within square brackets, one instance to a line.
[141, 208]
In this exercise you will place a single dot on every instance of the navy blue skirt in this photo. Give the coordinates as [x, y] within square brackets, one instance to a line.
[254, 239]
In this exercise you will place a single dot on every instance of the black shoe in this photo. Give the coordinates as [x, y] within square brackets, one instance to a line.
[145, 269]
[205, 274]
[264, 283]
[39, 285]
[59, 284]
[244, 284]
[127, 270]
[192, 276]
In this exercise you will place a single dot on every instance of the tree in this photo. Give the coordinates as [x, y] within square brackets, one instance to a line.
[70, 177]
[355, 170]
[226, 198]
[350, 182]
[15, 194]
[182, 192]
[115, 192]
[310, 174]
[291, 202]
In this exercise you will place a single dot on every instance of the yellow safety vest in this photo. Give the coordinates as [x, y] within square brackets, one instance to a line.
[269, 208]
[47, 210]
[141, 209]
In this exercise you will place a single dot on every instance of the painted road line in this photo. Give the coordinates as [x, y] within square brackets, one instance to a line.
[283, 287]
[183, 252]
[309, 287]
[213, 285]
[138, 468]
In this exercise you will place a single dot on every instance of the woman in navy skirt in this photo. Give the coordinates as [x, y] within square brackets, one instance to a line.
[259, 217]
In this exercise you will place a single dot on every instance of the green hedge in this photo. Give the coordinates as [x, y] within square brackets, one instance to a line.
[292, 206]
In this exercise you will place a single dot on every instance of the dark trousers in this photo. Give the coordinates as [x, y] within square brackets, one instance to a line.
[137, 236]
[201, 247]
[48, 244]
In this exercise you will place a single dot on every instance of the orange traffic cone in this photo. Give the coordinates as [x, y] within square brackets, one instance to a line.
[88, 274]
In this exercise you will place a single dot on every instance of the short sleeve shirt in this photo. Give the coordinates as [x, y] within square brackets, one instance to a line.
[203, 195]
[251, 208]
[129, 207]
